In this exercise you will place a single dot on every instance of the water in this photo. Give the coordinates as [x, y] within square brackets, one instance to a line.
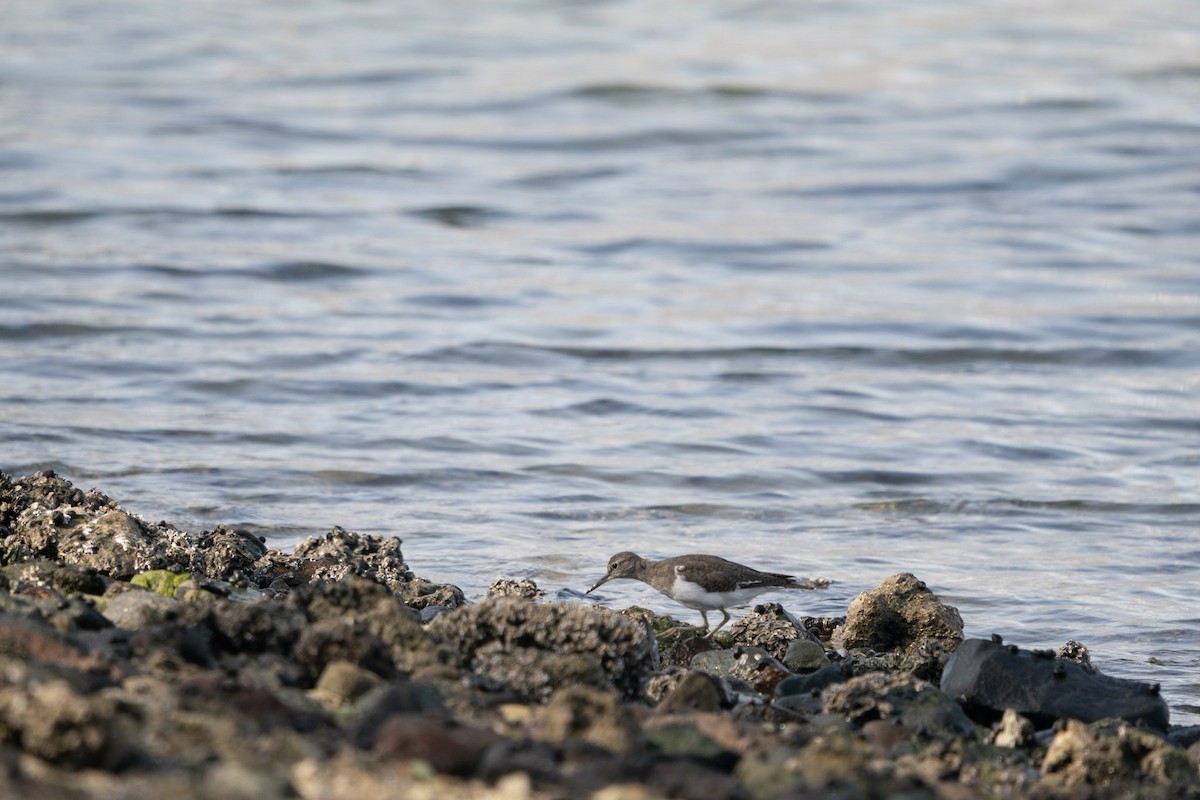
[839, 289]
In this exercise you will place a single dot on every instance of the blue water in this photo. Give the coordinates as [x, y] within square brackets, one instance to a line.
[838, 289]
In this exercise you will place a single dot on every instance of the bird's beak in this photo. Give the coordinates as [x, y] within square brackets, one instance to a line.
[599, 583]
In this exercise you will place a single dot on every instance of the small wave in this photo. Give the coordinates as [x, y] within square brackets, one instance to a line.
[606, 407]
[463, 216]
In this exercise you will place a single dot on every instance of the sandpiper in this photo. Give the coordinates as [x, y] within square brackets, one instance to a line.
[705, 583]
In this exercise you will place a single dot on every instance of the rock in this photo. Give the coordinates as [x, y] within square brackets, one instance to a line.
[1075, 651]
[140, 609]
[1110, 752]
[429, 613]
[720, 663]
[770, 627]
[62, 727]
[805, 655]
[1013, 731]
[989, 677]
[898, 615]
[524, 588]
[535, 648]
[757, 668]
[683, 740]
[803, 692]
[57, 579]
[580, 713]
[678, 651]
[695, 691]
[399, 697]
[341, 639]
[916, 704]
[231, 555]
[444, 745]
[341, 552]
[420, 593]
[342, 683]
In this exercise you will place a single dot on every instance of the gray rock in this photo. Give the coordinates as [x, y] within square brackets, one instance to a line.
[680, 740]
[721, 663]
[507, 587]
[770, 627]
[695, 691]
[400, 697]
[805, 690]
[805, 655]
[990, 677]
[535, 648]
[916, 704]
[140, 608]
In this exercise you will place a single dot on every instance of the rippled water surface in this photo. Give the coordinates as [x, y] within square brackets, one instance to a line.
[839, 289]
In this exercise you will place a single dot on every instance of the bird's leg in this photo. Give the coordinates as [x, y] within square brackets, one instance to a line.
[709, 635]
[683, 628]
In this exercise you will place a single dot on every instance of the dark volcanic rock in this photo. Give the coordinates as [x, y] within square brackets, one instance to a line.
[535, 648]
[898, 615]
[989, 676]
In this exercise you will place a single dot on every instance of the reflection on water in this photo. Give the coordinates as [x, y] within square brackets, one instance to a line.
[836, 289]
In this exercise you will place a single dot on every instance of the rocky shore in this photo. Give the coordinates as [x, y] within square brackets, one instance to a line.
[141, 661]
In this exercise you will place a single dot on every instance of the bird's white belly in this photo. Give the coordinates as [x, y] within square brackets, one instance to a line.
[692, 595]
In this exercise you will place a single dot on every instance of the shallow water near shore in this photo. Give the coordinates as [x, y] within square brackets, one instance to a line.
[840, 290]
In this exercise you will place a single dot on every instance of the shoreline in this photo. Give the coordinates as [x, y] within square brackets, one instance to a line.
[139, 660]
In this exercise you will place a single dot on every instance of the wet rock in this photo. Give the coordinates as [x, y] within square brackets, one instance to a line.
[804, 656]
[770, 627]
[916, 704]
[1109, 752]
[898, 615]
[507, 587]
[535, 648]
[430, 613]
[803, 692]
[580, 713]
[990, 677]
[1075, 651]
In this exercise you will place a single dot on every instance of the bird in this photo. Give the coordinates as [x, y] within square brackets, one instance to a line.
[702, 582]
